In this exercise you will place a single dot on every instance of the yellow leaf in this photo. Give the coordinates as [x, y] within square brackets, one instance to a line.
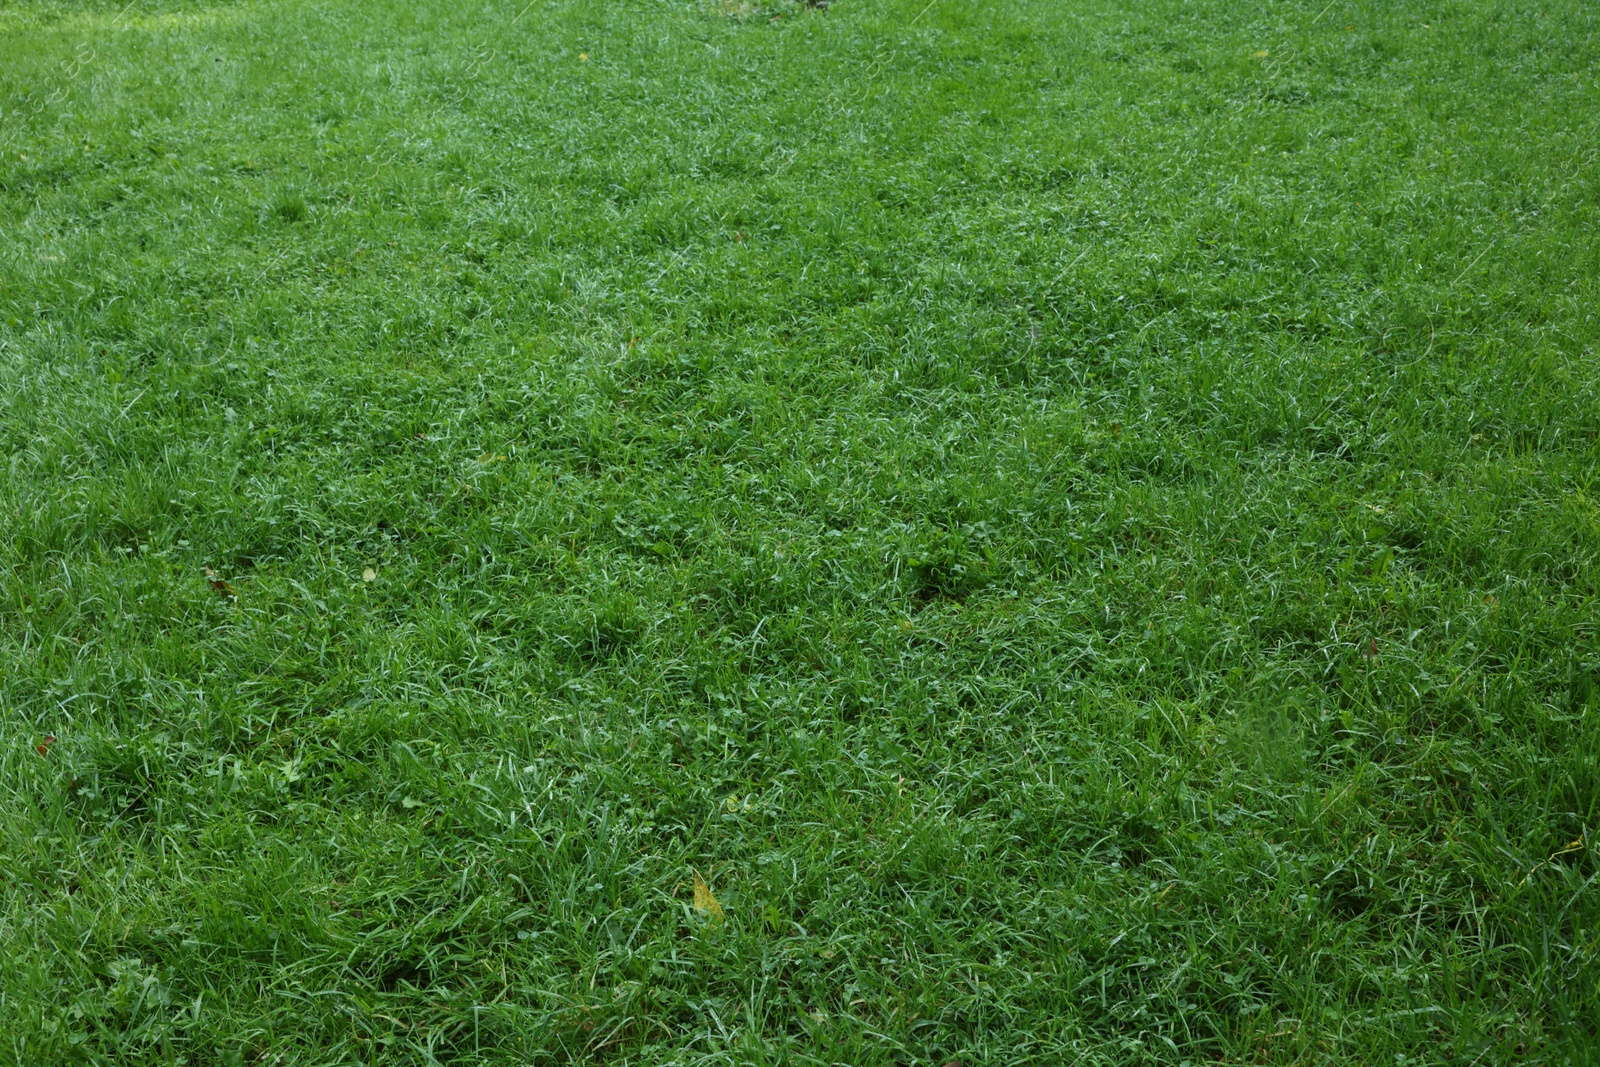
[703, 900]
[369, 575]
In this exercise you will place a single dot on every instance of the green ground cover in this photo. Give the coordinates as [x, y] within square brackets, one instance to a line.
[1078, 519]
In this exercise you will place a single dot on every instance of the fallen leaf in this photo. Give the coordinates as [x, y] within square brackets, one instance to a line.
[583, 57]
[704, 902]
[1576, 846]
[369, 575]
[44, 746]
[219, 585]
[1371, 651]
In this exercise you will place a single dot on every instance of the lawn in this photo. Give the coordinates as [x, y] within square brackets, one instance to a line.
[1078, 520]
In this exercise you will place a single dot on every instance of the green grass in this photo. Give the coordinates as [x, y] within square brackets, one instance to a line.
[1080, 518]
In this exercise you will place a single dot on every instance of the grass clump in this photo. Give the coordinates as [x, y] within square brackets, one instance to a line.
[1073, 524]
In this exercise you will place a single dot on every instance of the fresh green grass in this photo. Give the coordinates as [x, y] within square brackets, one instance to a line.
[1078, 517]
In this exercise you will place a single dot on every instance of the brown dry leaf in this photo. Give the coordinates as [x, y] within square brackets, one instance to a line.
[704, 902]
[222, 587]
[1371, 651]
[44, 746]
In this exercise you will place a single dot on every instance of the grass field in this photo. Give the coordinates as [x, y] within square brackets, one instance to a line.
[1079, 519]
